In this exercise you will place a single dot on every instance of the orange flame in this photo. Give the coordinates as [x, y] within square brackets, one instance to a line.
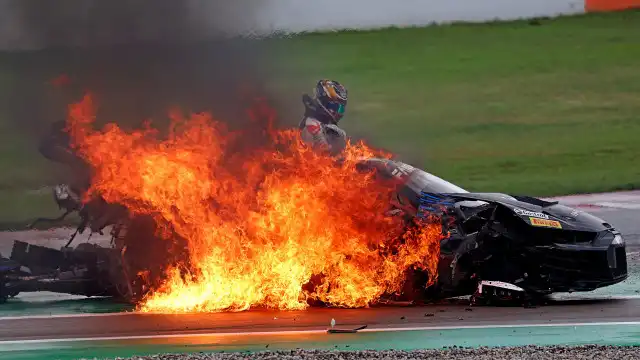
[260, 225]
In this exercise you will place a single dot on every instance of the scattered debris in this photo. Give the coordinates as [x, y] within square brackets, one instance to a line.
[497, 292]
[396, 303]
[346, 331]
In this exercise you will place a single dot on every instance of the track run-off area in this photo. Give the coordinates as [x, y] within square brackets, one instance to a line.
[73, 327]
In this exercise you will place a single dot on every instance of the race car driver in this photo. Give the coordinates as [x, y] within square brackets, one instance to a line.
[323, 112]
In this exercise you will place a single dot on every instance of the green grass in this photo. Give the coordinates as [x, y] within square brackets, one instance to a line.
[508, 107]
[513, 107]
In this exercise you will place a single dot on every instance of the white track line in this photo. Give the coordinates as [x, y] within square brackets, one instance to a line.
[619, 205]
[577, 296]
[299, 332]
[616, 200]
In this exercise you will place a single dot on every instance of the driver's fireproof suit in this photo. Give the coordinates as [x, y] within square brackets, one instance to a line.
[319, 134]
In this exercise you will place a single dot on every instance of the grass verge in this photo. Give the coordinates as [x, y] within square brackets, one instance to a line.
[542, 109]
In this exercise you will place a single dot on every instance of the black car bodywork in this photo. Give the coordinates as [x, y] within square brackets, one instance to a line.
[540, 246]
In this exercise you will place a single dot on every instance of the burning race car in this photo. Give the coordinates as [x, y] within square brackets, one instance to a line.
[498, 247]
[236, 215]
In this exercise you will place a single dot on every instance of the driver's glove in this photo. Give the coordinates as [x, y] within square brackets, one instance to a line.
[335, 131]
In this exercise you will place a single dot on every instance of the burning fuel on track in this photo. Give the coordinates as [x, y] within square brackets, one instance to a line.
[275, 225]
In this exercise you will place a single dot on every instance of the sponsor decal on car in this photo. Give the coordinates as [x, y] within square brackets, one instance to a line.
[523, 212]
[545, 223]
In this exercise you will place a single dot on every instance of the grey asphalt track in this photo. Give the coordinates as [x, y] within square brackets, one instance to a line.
[453, 314]
[627, 221]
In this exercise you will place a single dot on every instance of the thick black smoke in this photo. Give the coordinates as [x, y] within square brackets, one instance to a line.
[139, 58]
[37, 24]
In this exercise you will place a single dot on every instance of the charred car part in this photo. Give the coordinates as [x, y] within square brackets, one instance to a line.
[87, 270]
[125, 270]
[498, 292]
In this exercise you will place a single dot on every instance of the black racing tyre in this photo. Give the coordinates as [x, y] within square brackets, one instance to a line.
[4, 294]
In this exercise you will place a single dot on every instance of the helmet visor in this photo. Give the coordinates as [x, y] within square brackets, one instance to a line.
[336, 108]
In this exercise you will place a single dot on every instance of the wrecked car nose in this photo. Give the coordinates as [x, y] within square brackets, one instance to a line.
[618, 240]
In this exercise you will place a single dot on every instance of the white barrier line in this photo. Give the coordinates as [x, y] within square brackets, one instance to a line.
[58, 316]
[299, 332]
[619, 205]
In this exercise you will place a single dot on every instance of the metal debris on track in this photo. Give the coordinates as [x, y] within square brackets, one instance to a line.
[458, 353]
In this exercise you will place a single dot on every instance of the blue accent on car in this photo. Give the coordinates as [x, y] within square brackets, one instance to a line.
[429, 202]
[430, 198]
[8, 268]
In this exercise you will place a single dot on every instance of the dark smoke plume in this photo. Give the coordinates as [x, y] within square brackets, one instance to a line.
[139, 58]
[37, 24]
